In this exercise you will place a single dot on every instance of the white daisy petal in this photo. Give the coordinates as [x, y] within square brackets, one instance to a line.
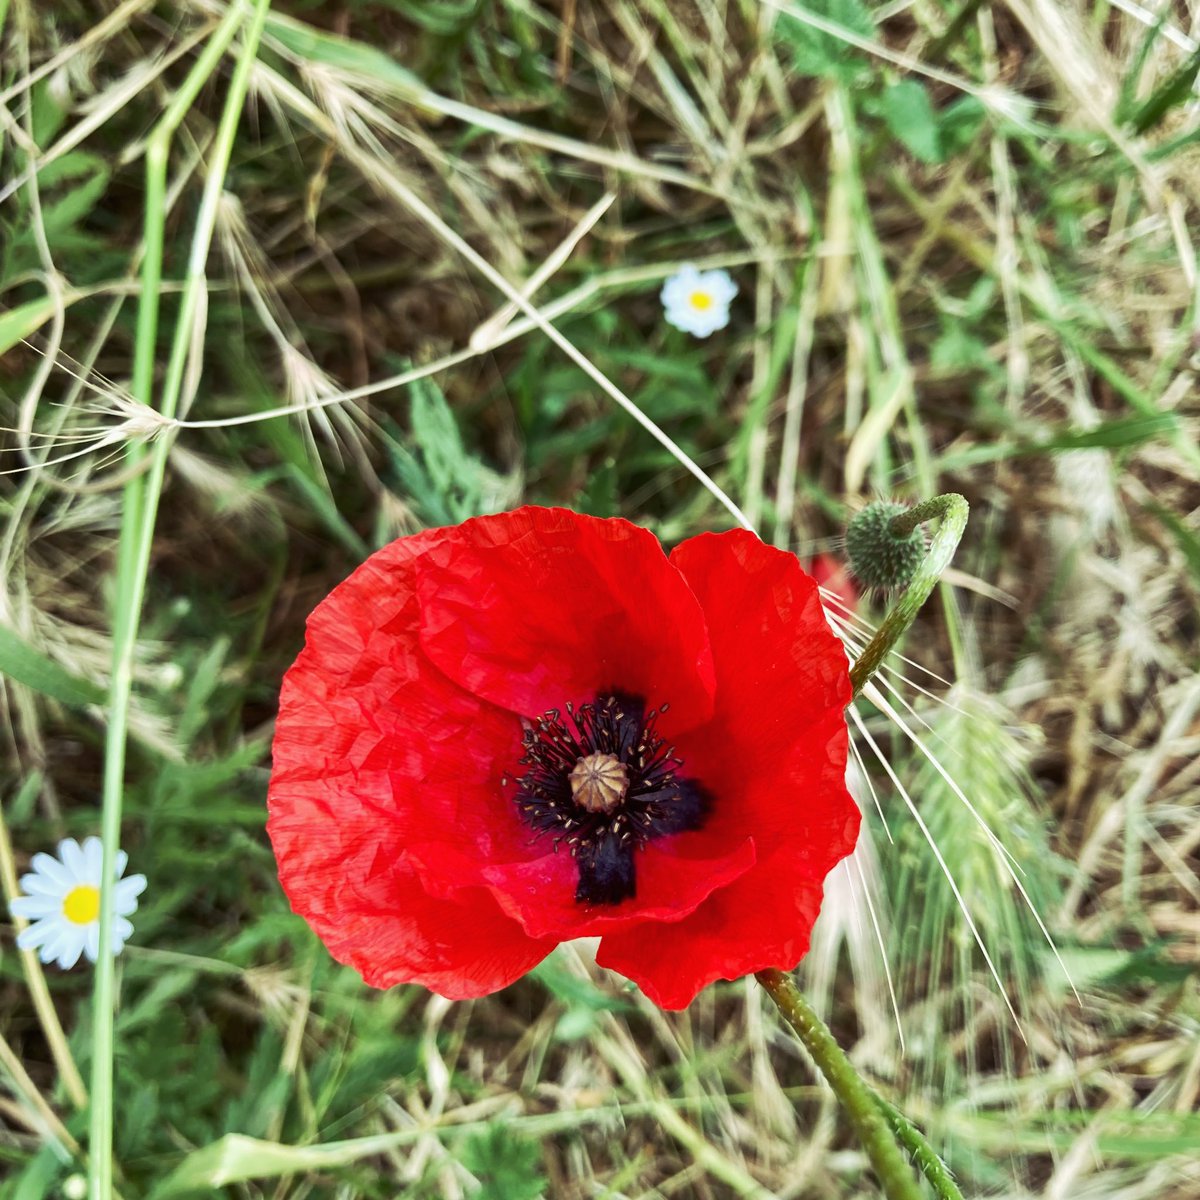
[128, 890]
[122, 929]
[120, 863]
[91, 941]
[60, 939]
[41, 885]
[33, 908]
[677, 289]
[71, 853]
[70, 951]
[36, 935]
[93, 856]
[723, 288]
[48, 866]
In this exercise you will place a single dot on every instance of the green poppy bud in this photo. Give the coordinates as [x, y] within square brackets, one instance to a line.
[879, 557]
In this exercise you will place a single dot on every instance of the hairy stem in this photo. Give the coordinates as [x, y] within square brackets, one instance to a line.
[871, 1127]
[923, 1154]
[953, 510]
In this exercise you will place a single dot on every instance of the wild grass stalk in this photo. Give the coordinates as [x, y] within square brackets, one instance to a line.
[140, 507]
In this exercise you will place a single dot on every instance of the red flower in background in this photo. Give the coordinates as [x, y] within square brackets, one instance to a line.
[834, 577]
[536, 726]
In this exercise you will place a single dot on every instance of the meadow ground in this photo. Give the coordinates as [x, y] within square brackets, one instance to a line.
[963, 236]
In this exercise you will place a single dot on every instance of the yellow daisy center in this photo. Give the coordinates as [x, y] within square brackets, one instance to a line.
[81, 905]
[701, 301]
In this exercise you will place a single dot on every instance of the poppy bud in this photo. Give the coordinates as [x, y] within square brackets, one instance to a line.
[879, 557]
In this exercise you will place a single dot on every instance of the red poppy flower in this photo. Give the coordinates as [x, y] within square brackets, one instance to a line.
[536, 726]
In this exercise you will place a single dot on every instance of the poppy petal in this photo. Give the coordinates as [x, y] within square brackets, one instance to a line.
[774, 759]
[782, 689]
[764, 919]
[540, 893]
[541, 606]
[780, 667]
[374, 748]
[460, 948]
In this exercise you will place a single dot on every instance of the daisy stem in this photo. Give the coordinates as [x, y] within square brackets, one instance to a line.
[871, 1125]
[953, 510]
[142, 492]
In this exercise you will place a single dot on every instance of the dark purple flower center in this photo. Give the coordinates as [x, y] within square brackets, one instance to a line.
[603, 783]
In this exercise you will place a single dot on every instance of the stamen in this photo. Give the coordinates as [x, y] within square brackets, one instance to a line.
[605, 788]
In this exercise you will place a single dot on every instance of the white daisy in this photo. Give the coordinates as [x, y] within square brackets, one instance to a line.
[698, 301]
[63, 903]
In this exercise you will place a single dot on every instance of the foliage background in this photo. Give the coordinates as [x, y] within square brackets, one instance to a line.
[964, 235]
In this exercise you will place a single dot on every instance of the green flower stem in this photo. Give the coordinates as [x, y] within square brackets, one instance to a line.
[872, 1128]
[923, 1154]
[142, 492]
[953, 510]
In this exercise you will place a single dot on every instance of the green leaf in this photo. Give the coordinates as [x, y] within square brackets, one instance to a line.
[909, 114]
[815, 52]
[958, 125]
[507, 1166]
[343, 54]
[235, 1159]
[47, 113]
[20, 661]
[448, 18]
[1175, 91]
[79, 180]
[956, 349]
[1186, 539]
[1132, 1136]
[444, 481]
[23, 321]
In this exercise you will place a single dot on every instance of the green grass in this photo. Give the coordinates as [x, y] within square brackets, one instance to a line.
[963, 237]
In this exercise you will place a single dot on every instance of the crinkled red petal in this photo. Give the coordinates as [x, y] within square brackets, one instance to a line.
[764, 919]
[374, 747]
[774, 758]
[674, 875]
[541, 606]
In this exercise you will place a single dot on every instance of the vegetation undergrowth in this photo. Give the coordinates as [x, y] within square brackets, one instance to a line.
[323, 314]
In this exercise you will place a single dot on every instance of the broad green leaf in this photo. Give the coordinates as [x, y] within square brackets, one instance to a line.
[507, 1166]
[20, 661]
[343, 54]
[236, 1158]
[909, 114]
[815, 52]
[958, 123]
[78, 180]
[23, 321]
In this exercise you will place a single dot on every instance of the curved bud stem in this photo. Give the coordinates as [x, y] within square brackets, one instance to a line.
[953, 510]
